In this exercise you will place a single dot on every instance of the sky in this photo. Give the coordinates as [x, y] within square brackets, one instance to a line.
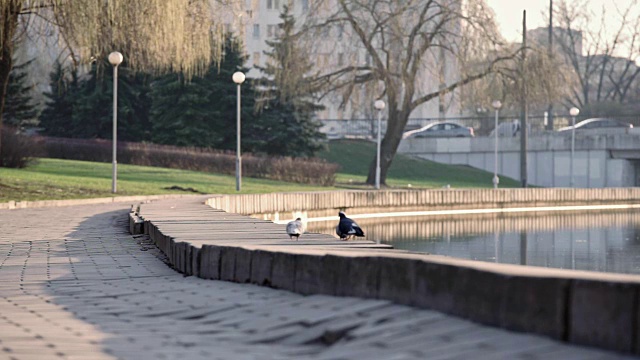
[509, 13]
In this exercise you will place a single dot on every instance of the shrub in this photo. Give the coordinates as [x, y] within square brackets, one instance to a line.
[18, 150]
[300, 170]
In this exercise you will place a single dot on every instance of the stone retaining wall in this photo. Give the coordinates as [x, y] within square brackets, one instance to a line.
[326, 203]
[586, 308]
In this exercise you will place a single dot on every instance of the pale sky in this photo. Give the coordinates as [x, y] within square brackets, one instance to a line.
[509, 13]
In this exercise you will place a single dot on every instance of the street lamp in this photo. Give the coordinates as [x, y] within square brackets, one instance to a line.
[379, 105]
[496, 105]
[115, 58]
[238, 78]
[574, 111]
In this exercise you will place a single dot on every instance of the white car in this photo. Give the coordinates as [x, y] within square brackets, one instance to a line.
[598, 124]
[440, 129]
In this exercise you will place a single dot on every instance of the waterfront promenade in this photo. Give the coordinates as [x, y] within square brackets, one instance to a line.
[74, 284]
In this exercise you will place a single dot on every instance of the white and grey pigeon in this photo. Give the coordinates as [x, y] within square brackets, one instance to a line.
[347, 228]
[295, 228]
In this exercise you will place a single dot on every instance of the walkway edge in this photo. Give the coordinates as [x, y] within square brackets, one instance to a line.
[11, 205]
[584, 308]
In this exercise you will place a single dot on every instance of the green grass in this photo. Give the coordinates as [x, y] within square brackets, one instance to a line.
[355, 156]
[67, 179]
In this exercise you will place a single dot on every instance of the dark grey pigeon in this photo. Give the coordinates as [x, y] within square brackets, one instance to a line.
[347, 228]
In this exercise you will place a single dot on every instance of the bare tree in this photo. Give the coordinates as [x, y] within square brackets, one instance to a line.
[600, 55]
[399, 46]
[545, 77]
[155, 35]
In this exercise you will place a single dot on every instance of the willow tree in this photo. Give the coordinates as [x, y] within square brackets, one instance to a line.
[154, 35]
[403, 48]
[548, 79]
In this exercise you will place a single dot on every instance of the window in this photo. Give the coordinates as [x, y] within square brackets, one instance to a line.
[256, 58]
[276, 4]
[271, 30]
[340, 59]
[256, 31]
[305, 5]
[269, 4]
[340, 31]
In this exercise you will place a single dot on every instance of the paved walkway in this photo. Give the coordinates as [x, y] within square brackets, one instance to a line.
[75, 285]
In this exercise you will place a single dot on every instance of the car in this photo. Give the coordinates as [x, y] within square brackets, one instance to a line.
[598, 124]
[440, 129]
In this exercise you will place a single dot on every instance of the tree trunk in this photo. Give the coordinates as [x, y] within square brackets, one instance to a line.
[9, 14]
[389, 146]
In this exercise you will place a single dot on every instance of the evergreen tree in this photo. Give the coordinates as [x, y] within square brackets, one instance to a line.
[55, 119]
[180, 111]
[93, 104]
[285, 99]
[18, 108]
[202, 110]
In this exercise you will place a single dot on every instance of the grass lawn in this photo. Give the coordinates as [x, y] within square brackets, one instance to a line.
[355, 156]
[68, 179]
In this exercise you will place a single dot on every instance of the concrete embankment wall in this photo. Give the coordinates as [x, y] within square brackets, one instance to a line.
[586, 308]
[318, 204]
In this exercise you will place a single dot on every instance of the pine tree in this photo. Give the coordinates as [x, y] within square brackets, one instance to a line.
[202, 110]
[93, 104]
[285, 99]
[180, 112]
[56, 117]
[19, 109]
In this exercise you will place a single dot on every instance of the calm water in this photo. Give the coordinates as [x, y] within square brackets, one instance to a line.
[596, 241]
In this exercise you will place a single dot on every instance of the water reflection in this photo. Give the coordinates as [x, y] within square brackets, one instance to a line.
[597, 241]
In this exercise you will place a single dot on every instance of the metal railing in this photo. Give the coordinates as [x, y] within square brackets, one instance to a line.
[482, 125]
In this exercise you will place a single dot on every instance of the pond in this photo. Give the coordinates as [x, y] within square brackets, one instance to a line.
[594, 241]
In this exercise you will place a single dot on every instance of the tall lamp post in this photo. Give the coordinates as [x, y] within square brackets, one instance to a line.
[379, 105]
[115, 58]
[238, 78]
[496, 105]
[574, 111]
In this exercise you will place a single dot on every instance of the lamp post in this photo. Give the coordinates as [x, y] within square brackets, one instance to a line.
[496, 105]
[379, 105]
[238, 78]
[115, 58]
[574, 111]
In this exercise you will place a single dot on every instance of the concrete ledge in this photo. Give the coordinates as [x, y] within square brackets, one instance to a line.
[136, 224]
[614, 325]
[11, 205]
[587, 308]
[261, 264]
[209, 262]
[325, 203]
[526, 310]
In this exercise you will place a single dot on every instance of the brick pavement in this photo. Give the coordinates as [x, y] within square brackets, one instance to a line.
[75, 285]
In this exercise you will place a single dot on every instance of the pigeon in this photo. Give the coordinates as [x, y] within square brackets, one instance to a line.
[347, 228]
[295, 228]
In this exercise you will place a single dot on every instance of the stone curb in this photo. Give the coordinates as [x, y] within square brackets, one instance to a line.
[591, 309]
[11, 205]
